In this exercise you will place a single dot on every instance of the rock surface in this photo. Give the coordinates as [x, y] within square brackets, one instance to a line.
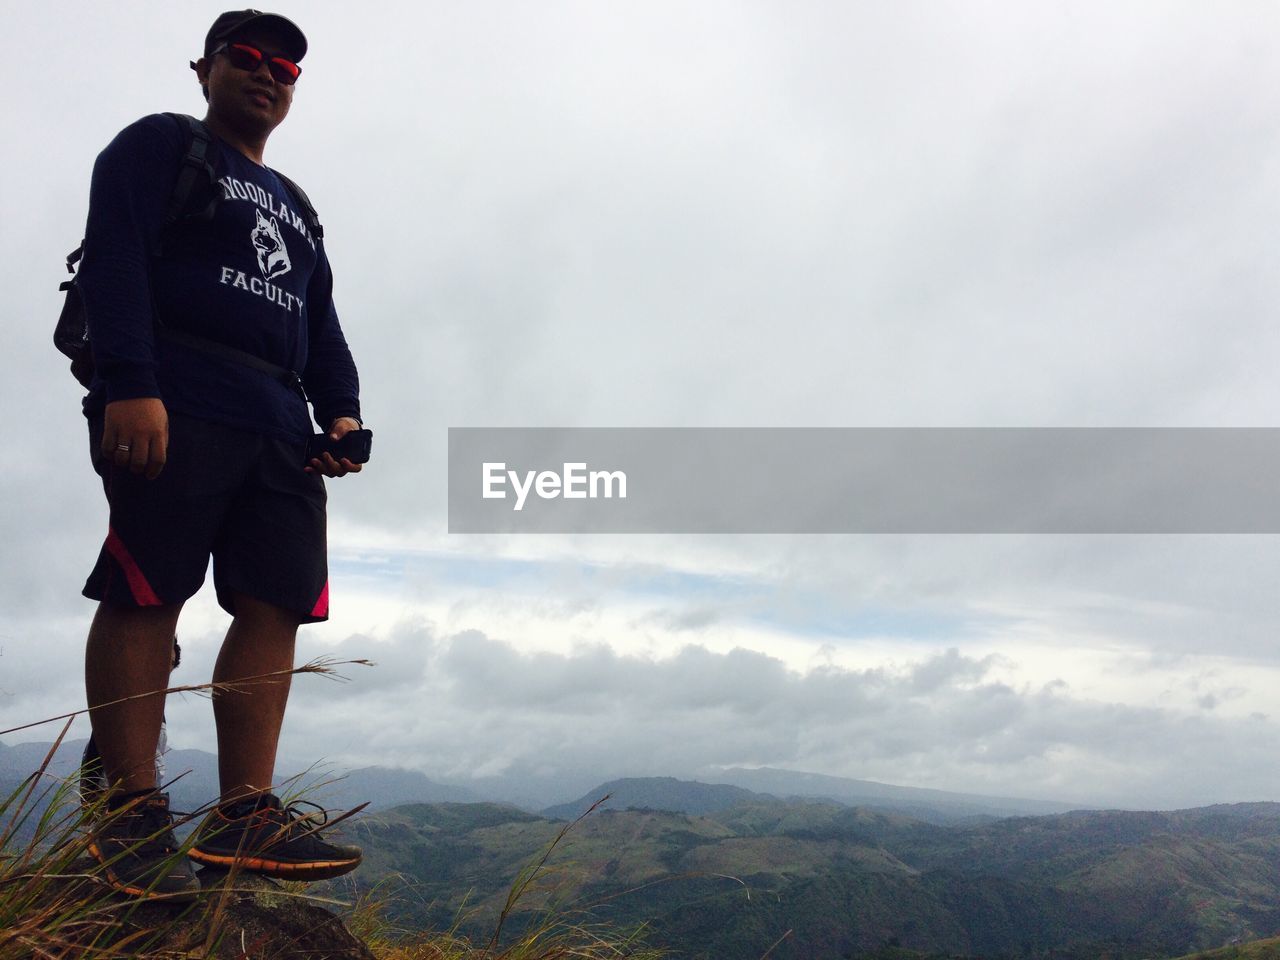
[239, 917]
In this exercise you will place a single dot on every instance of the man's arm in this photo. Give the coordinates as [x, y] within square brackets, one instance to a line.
[333, 385]
[132, 179]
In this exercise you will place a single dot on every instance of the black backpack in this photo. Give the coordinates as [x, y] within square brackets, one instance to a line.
[196, 187]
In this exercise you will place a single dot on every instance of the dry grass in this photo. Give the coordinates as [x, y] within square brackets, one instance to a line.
[54, 903]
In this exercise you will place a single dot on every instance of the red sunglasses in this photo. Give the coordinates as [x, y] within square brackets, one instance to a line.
[245, 57]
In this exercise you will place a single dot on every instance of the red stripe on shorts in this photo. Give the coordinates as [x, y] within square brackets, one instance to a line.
[143, 595]
[321, 609]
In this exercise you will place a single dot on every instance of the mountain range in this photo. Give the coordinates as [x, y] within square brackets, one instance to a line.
[195, 784]
[818, 881]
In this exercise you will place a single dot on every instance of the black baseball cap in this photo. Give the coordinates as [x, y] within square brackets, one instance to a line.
[235, 22]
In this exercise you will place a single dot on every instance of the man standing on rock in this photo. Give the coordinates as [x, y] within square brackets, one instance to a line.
[199, 431]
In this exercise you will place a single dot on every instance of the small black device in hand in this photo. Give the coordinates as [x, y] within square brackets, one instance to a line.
[353, 446]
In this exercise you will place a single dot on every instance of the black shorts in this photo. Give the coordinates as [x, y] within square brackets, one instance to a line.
[240, 497]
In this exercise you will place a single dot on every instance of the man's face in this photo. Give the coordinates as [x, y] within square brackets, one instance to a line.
[247, 99]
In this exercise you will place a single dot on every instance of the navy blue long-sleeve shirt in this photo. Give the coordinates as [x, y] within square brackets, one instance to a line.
[253, 278]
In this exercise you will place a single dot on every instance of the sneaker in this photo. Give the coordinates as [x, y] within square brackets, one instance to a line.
[138, 852]
[261, 836]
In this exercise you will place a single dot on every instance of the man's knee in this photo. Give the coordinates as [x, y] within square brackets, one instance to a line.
[136, 624]
[256, 614]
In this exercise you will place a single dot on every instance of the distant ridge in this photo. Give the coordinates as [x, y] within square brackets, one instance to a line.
[655, 793]
[736, 786]
[935, 806]
[386, 787]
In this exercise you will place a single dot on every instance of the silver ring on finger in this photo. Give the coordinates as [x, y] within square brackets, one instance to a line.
[123, 447]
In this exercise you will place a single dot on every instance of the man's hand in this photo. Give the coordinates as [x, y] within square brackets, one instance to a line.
[135, 434]
[328, 466]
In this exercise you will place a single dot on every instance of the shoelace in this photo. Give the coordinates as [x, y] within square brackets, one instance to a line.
[151, 824]
[285, 820]
[294, 817]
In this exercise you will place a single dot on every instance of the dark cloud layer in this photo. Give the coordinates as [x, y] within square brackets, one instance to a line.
[479, 706]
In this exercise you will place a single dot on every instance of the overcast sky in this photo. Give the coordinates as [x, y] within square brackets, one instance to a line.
[721, 214]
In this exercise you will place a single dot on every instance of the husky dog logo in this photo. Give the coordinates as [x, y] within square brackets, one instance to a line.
[273, 255]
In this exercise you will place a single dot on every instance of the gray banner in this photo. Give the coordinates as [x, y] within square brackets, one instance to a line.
[863, 480]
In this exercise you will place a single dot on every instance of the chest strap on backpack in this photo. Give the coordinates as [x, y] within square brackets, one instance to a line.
[284, 375]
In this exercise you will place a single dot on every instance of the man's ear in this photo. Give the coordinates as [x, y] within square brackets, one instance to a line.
[201, 67]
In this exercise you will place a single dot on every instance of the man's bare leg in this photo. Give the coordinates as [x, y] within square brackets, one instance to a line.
[130, 651]
[259, 641]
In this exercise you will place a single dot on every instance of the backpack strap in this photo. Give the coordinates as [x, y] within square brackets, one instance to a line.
[308, 211]
[196, 168]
